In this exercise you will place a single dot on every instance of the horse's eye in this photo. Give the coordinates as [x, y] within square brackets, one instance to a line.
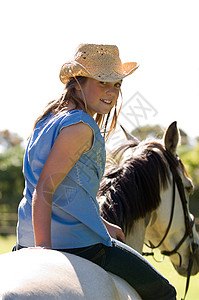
[189, 189]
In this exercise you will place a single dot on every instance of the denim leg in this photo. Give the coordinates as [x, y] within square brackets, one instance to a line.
[132, 267]
[94, 253]
[128, 264]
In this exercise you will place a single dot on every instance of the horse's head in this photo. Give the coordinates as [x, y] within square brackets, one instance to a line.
[171, 227]
[146, 191]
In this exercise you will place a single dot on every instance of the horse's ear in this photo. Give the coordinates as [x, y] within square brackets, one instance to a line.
[171, 138]
[130, 136]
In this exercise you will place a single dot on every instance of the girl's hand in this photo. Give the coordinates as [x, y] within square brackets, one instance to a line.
[114, 231]
[38, 247]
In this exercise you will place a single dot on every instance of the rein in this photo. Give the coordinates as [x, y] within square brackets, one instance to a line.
[177, 181]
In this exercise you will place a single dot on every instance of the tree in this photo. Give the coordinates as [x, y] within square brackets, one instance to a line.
[11, 177]
[156, 131]
[8, 139]
[191, 160]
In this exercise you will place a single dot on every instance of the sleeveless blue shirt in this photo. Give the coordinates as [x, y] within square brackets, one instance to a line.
[75, 220]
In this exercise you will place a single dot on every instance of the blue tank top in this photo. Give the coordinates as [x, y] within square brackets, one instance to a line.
[75, 220]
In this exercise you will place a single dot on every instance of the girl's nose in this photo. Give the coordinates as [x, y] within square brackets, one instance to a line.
[111, 90]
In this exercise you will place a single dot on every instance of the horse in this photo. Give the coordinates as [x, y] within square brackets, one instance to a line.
[142, 192]
[145, 190]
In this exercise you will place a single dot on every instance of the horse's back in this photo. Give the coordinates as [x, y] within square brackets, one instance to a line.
[47, 274]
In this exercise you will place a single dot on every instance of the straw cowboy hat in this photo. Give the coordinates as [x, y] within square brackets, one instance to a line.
[101, 62]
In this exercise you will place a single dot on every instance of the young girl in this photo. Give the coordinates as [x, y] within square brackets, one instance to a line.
[64, 163]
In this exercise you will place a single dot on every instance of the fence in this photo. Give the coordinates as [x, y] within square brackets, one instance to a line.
[8, 222]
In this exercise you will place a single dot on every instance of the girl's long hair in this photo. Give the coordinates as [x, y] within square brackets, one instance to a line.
[69, 96]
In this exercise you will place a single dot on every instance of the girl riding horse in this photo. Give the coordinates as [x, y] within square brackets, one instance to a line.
[64, 163]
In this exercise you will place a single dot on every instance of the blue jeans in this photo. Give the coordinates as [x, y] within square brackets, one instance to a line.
[128, 264]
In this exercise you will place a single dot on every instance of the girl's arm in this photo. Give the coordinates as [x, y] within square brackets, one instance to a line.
[114, 231]
[68, 147]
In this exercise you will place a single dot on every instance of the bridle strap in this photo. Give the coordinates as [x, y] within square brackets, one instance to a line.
[188, 228]
[169, 224]
[184, 204]
[188, 223]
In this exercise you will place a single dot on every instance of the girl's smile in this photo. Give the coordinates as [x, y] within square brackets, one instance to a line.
[100, 96]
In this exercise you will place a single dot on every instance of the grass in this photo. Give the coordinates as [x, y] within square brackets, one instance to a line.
[7, 243]
[165, 268]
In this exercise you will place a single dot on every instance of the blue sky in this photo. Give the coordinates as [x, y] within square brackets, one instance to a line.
[37, 37]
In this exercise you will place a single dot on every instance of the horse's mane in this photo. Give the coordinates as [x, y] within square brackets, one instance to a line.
[131, 187]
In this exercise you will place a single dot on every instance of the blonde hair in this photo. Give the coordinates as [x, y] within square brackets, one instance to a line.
[69, 96]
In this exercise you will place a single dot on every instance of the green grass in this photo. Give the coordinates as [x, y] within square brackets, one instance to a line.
[7, 243]
[165, 268]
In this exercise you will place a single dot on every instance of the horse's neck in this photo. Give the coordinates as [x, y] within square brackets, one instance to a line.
[135, 238]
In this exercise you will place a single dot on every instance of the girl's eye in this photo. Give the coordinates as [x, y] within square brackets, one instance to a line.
[118, 85]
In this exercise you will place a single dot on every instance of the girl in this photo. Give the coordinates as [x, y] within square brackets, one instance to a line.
[64, 163]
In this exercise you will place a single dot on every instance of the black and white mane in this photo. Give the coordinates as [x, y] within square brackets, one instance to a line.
[131, 188]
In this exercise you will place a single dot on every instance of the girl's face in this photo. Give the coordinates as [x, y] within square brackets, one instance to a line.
[100, 96]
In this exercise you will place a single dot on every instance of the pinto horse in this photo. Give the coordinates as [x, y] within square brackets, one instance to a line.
[145, 191]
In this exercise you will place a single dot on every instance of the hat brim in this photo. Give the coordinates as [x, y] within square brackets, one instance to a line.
[107, 73]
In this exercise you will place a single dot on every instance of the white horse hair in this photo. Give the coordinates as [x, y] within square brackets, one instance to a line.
[48, 275]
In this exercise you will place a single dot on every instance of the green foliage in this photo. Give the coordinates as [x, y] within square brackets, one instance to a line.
[11, 178]
[9, 139]
[191, 160]
[155, 131]
[148, 132]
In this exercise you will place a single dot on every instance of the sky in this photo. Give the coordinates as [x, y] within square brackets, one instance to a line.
[38, 37]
